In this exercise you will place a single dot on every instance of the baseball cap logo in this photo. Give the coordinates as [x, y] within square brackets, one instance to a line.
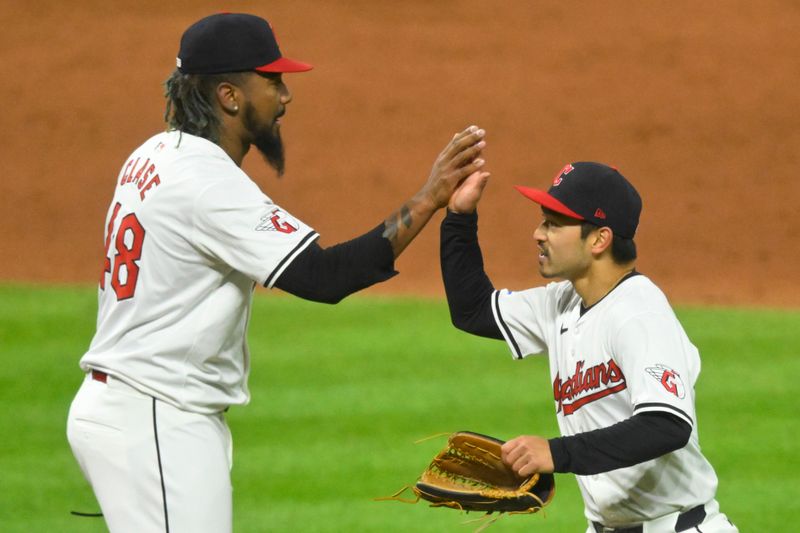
[563, 172]
[599, 213]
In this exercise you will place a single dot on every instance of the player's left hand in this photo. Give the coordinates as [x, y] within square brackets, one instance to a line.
[528, 454]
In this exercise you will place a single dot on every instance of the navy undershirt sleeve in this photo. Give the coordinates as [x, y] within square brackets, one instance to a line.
[468, 288]
[638, 439]
[330, 274]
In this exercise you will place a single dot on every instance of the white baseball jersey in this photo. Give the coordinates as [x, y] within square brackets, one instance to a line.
[188, 234]
[627, 354]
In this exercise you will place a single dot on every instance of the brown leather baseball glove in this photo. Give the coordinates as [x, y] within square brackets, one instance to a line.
[468, 474]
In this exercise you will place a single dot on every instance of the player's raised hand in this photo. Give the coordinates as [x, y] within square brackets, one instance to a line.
[468, 193]
[528, 454]
[459, 159]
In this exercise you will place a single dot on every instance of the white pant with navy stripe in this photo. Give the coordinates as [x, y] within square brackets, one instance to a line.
[153, 467]
[713, 522]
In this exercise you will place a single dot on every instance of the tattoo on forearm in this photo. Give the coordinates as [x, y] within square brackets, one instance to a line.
[403, 216]
[390, 231]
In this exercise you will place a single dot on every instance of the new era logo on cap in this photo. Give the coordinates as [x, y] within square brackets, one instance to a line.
[595, 193]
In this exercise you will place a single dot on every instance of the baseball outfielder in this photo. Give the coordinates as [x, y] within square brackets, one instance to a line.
[187, 236]
[621, 366]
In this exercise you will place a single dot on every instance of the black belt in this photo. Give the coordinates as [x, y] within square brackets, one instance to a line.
[687, 520]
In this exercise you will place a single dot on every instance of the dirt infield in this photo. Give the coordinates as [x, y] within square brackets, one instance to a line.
[696, 102]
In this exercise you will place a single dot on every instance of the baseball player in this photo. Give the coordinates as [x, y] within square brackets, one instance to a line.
[188, 235]
[621, 366]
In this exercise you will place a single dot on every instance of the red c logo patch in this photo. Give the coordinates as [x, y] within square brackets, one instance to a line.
[563, 172]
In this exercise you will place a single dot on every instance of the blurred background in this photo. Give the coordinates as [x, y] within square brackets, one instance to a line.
[695, 102]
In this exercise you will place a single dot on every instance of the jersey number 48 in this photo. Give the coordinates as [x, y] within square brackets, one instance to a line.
[123, 266]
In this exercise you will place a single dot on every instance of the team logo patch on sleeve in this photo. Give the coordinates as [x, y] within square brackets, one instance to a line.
[670, 379]
[278, 220]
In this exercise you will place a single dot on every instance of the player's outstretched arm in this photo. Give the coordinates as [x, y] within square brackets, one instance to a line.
[330, 274]
[469, 290]
[459, 161]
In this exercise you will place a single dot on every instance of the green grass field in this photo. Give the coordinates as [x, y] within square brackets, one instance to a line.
[340, 394]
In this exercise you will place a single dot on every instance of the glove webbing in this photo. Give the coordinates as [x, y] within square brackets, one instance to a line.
[458, 479]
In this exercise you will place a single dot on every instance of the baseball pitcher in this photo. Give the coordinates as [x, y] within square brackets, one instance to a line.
[188, 235]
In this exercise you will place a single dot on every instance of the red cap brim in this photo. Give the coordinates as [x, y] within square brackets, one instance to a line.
[545, 200]
[284, 64]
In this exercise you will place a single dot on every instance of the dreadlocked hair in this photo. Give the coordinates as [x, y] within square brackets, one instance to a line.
[190, 102]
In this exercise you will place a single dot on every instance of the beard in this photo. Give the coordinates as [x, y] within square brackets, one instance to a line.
[267, 141]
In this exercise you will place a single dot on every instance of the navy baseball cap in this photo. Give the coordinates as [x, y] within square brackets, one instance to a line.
[233, 42]
[594, 193]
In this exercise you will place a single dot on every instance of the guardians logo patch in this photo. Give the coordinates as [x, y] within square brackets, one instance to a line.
[670, 379]
[587, 386]
[278, 220]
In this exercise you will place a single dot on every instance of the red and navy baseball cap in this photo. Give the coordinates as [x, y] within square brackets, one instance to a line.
[594, 193]
[233, 42]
